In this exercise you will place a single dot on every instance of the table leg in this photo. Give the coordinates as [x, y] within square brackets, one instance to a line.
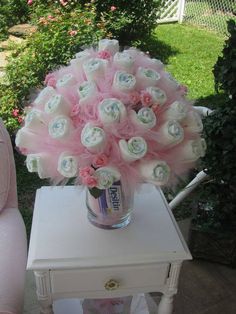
[43, 291]
[166, 304]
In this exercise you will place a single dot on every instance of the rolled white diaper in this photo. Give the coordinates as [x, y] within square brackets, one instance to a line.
[57, 105]
[87, 90]
[147, 77]
[158, 63]
[68, 80]
[95, 69]
[38, 163]
[80, 58]
[158, 95]
[111, 110]
[44, 95]
[155, 171]
[176, 111]
[171, 81]
[106, 176]
[193, 149]
[34, 120]
[123, 61]
[134, 149]
[93, 138]
[145, 118]
[26, 139]
[60, 127]
[193, 122]
[111, 45]
[170, 133]
[123, 81]
[67, 165]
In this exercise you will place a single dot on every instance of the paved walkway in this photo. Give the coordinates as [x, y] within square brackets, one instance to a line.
[204, 288]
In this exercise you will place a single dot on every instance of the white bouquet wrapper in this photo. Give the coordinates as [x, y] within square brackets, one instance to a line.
[171, 132]
[67, 80]
[193, 122]
[176, 111]
[106, 176]
[87, 90]
[145, 118]
[60, 127]
[67, 165]
[124, 82]
[95, 69]
[194, 149]
[147, 77]
[155, 171]
[124, 61]
[93, 138]
[134, 149]
[111, 45]
[158, 95]
[57, 105]
[44, 95]
[35, 121]
[38, 163]
[111, 110]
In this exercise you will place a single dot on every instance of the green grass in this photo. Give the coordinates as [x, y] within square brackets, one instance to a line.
[189, 54]
[196, 52]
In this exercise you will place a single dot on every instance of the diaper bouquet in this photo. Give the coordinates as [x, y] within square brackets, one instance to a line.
[111, 115]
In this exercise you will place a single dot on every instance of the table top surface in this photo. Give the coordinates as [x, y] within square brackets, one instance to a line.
[63, 238]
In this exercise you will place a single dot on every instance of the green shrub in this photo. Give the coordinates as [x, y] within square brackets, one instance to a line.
[130, 20]
[60, 35]
[220, 135]
[12, 12]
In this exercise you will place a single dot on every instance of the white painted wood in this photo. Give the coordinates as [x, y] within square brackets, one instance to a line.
[71, 258]
[92, 282]
[200, 177]
[43, 291]
[62, 236]
[181, 10]
[172, 11]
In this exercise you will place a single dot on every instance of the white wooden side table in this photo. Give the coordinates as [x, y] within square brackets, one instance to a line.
[71, 258]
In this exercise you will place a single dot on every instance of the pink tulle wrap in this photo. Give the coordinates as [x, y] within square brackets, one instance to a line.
[86, 111]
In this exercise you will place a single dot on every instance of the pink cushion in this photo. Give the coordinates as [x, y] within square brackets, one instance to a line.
[4, 167]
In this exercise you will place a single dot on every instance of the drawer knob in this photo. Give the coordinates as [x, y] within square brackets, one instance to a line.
[111, 285]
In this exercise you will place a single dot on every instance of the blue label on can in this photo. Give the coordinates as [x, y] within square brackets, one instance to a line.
[111, 199]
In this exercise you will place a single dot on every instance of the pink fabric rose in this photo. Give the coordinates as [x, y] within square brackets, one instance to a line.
[86, 172]
[30, 2]
[134, 98]
[75, 110]
[104, 54]
[50, 80]
[100, 160]
[146, 99]
[90, 181]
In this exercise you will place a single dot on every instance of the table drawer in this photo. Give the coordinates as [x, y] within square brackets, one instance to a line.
[99, 279]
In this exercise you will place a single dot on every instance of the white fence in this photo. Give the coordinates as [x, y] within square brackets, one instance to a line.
[172, 11]
[211, 14]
